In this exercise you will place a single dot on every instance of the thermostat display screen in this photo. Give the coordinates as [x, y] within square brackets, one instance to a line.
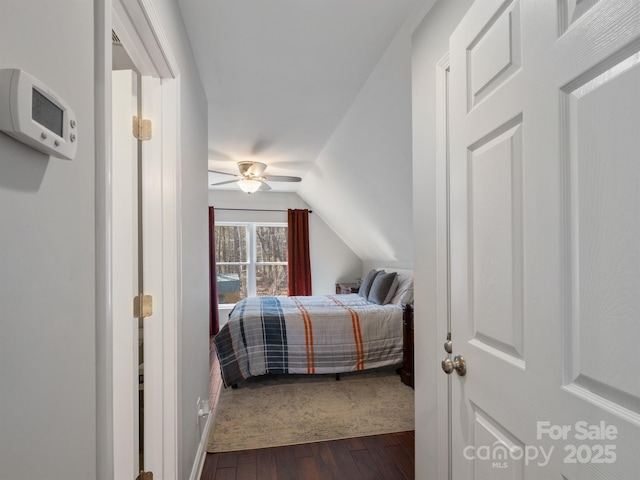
[46, 113]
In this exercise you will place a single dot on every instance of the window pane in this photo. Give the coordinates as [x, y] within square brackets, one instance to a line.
[271, 244]
[232, 283]
[231, 243]
[271, 280]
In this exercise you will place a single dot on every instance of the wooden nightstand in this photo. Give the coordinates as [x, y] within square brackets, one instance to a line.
[406, 371]
[342, 288]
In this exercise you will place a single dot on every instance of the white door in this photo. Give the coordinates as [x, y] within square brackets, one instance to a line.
[125, 279]
[545, 240]
[139, 354]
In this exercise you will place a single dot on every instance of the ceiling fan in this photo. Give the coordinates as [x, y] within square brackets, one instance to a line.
[251, 177]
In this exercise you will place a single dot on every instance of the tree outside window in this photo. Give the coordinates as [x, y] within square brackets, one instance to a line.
[251, 259]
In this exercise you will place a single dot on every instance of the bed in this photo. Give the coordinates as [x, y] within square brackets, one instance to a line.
[323, 334]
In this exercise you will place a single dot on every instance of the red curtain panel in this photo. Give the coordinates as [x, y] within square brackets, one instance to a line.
[298, 251]
[214, 320]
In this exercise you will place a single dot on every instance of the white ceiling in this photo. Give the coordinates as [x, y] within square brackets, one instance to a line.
[281, 74]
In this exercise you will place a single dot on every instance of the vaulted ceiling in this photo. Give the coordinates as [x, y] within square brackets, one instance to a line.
[281, 77]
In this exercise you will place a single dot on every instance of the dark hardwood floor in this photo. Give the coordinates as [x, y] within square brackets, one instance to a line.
[383, 457]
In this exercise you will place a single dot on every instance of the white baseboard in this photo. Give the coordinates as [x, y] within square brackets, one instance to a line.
[201, 454]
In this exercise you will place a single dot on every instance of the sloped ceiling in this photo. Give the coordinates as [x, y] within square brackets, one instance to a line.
[361, 182]
[320, 90]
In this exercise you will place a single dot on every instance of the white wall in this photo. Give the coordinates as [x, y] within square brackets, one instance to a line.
[430, 44]
[331, 259]
[47, 271]
[47, 255]
[361, 184]
[193, 315]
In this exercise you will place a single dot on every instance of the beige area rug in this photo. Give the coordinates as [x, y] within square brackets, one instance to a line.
[276, 410]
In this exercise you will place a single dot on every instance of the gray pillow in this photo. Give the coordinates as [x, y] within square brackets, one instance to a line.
[367, 281]
[381, 287]
[392, 290]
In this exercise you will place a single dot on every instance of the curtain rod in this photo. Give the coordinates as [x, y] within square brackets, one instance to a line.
[252, 210]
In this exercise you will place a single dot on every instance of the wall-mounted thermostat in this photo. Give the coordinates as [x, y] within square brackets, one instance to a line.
[33, 114]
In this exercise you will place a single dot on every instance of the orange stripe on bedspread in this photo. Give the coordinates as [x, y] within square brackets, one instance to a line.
[308, 336]
[357, 333]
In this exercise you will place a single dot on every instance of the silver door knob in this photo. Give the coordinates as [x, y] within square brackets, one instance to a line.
[458, 364]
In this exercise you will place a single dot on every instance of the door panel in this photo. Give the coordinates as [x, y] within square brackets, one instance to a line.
[604, 228]
[545, 239]
[488, 431]
[495, 214]
[494, 54]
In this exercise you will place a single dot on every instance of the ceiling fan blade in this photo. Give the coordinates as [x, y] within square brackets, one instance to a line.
[264, 187]
[223, 183]
[282, 178]
[223, 173]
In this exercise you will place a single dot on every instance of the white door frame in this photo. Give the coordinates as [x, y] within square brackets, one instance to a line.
[443, 266]
[142, 34]
[432, 308]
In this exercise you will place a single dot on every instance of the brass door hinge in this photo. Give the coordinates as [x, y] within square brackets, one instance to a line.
[145, 476]
[142, 306]
[141, 128]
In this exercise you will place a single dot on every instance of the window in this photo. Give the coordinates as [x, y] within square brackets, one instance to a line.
[251, 260]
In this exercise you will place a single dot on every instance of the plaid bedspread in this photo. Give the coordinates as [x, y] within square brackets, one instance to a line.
[316, 334]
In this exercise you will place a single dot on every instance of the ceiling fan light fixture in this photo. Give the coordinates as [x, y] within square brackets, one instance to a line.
[249, 185]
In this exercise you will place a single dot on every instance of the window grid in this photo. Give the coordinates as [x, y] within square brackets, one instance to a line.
[251, 263]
